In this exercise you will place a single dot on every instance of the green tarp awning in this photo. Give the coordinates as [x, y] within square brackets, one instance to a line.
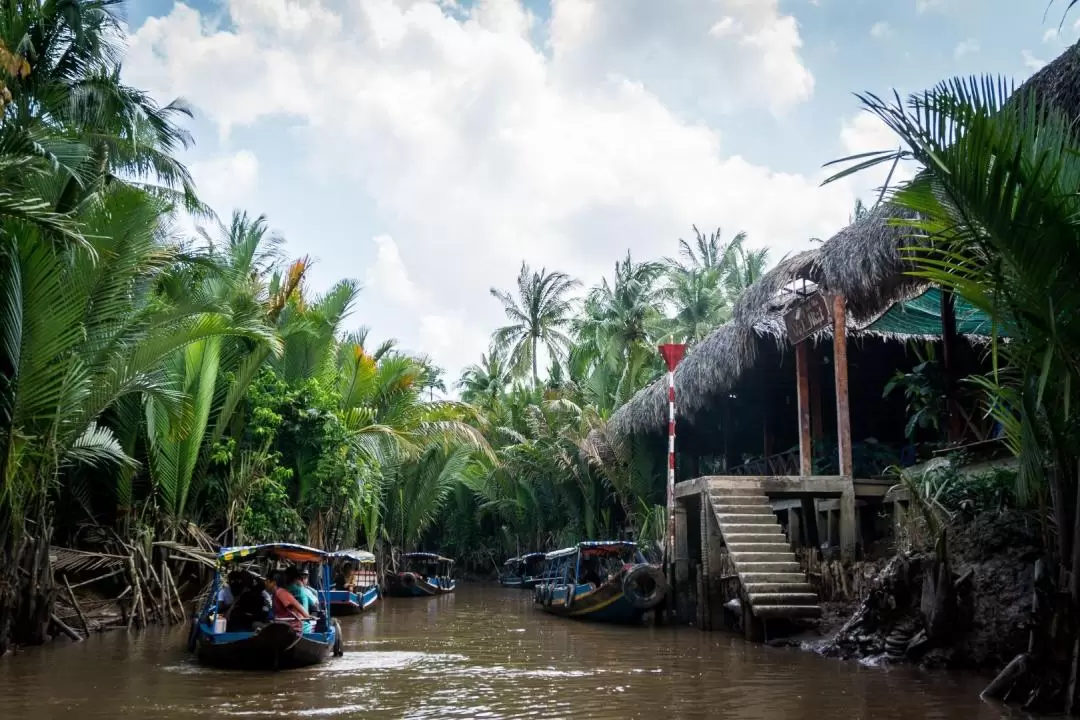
[922, 316]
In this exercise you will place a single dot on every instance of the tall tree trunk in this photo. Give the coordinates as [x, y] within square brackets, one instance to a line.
[536, 375]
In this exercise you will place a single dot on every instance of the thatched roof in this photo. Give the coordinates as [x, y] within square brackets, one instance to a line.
[862, 262]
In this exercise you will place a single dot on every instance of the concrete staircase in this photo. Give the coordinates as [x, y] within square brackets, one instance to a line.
[770, 575]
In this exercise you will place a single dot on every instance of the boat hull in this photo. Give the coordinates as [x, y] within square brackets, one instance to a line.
[521, 583]
[606, 603]
[345, 602]
[398, 585]
[275, 646]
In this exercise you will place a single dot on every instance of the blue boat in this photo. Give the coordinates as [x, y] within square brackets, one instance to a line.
[423, 574]
[356, 584]
[601, 580]
[524, 572]
[245, 635]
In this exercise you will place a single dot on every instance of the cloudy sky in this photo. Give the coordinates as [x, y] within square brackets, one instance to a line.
[427, 147]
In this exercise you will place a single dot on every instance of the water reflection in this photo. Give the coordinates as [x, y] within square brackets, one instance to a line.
[481, 653]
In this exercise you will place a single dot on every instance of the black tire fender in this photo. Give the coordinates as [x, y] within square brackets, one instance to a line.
[644, 586]
[338, 642]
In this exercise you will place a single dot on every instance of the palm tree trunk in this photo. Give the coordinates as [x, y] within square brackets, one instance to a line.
[536, 375]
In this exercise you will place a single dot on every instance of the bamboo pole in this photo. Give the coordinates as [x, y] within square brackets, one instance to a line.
[78, 609]
[176, 592]
[65, 628]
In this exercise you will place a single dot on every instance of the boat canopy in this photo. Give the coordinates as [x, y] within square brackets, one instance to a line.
[427, 556]
[360, 556]
[285, 551]
[593, 548]
[511, 561]
[565, 552]
[532, 556]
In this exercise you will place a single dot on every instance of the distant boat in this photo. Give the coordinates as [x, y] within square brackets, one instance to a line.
[601, 580]
[253, 640]
[422, 575]
[356, 588]
[523, 572]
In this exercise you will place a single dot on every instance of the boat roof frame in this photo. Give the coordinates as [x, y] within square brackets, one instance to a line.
[360, 556]
[285, 551]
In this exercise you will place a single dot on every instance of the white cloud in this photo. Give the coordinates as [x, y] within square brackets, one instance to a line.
[966, 47]
[881, 29]
[227, 182]
[389, 276]
[1050, 35]
[476, 150]
[863, 133]
[922, 6]
[1030, 61]
[674, 50]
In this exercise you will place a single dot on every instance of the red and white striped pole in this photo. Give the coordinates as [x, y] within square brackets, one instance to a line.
[672, 353]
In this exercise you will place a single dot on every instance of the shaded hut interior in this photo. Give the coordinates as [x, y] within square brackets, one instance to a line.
[752, 428]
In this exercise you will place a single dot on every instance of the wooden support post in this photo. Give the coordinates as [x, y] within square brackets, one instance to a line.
[810, 522]
[766, 441]
[802, 372]
[794, 527]
[955, 421]
[843, 428]
[681, 591]
[840, 368]
[703, 570]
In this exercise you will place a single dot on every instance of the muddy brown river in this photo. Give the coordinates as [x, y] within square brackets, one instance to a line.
[481, 653]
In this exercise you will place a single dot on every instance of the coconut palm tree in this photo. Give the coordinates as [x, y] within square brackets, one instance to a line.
[699, 302]
[482, 383]
[70, 83]
[539, 315]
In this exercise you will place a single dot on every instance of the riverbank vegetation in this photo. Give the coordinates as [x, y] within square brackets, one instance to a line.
[160, 391]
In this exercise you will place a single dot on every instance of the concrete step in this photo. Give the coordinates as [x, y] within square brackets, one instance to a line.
[791, 612]
[737, 488]
[754, 577]
[745, 519]
[761, 588]
[748, 499]
[767, 567]
[726, 509]
[769, 546]
[742, 558]
[735, 534]
[783, 598]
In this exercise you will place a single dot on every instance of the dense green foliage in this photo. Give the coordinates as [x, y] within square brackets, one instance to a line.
[194, 389]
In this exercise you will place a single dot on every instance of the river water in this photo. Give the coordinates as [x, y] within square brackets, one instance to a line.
[481, 653]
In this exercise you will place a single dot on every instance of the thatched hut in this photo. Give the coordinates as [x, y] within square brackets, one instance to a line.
[863, 262]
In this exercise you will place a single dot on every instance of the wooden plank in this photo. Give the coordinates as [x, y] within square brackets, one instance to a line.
[802, 376]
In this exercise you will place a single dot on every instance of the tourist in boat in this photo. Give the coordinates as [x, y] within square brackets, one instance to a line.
[285, 606]
[309, 592]
[252, 608]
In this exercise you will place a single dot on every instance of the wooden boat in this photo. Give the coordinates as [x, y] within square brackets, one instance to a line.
[227, 642]
[423, 575]
[523, 572]
[601, 580]
[358, 589]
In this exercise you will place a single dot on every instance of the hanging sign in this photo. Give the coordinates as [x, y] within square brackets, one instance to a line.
[807, 318]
